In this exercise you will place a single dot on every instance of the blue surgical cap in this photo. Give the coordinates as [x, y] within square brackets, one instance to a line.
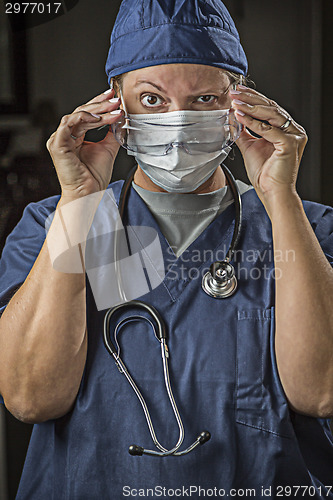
[152, 32]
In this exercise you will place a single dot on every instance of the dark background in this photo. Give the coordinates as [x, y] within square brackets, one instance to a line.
[56, 63]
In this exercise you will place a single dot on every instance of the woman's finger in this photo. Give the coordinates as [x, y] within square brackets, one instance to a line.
[251, 102]
[106, 118]
[108, 104]
[251, 93]
[108, 94]
[65, 136]
[73, 127]
[261, 108]
[275, 116]
[282, 139]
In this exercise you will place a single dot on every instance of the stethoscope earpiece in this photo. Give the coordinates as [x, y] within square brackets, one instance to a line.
[204, 437]
[135, 450]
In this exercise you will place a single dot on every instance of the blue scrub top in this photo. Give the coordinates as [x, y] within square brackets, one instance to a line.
[223, 372]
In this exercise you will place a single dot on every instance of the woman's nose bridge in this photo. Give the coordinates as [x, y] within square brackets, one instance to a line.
[179, 103]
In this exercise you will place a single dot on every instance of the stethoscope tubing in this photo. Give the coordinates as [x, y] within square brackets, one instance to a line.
[238, 216]
[123, 369]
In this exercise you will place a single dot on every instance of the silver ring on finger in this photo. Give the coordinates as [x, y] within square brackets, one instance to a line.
[286, 124]
[73, 137]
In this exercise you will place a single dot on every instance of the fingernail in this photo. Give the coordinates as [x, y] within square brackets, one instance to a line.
[237, 101]
[239, 112]
[240, 86]
[95, 116]
[233, 91]
[116, 112]
[114, 100]
[108, 91]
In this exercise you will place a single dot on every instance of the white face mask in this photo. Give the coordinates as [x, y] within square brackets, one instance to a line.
[197, 143]
[179, 172]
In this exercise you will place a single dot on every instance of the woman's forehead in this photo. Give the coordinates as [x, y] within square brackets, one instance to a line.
[193, 76]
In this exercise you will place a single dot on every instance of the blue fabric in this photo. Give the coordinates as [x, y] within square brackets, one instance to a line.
[223, 370]
[152, 32]
[22, 246]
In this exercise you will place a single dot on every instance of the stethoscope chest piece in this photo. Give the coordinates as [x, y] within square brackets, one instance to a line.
[220, 281]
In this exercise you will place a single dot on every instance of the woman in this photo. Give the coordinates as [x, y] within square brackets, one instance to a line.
[255, 369]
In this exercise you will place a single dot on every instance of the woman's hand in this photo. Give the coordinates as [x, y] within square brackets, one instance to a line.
[85, 167]
[303, 305]
[272, 161]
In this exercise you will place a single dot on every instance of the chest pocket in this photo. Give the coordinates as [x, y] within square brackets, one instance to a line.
[260, 399]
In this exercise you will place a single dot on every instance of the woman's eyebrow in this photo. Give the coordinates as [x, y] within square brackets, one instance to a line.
[202, 92]
[139, 82]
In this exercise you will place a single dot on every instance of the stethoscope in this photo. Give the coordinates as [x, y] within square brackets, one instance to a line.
[161, 337]
[219, 282]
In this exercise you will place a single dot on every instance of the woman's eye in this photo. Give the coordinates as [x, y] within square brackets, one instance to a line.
[151, 100]
[207, 99]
